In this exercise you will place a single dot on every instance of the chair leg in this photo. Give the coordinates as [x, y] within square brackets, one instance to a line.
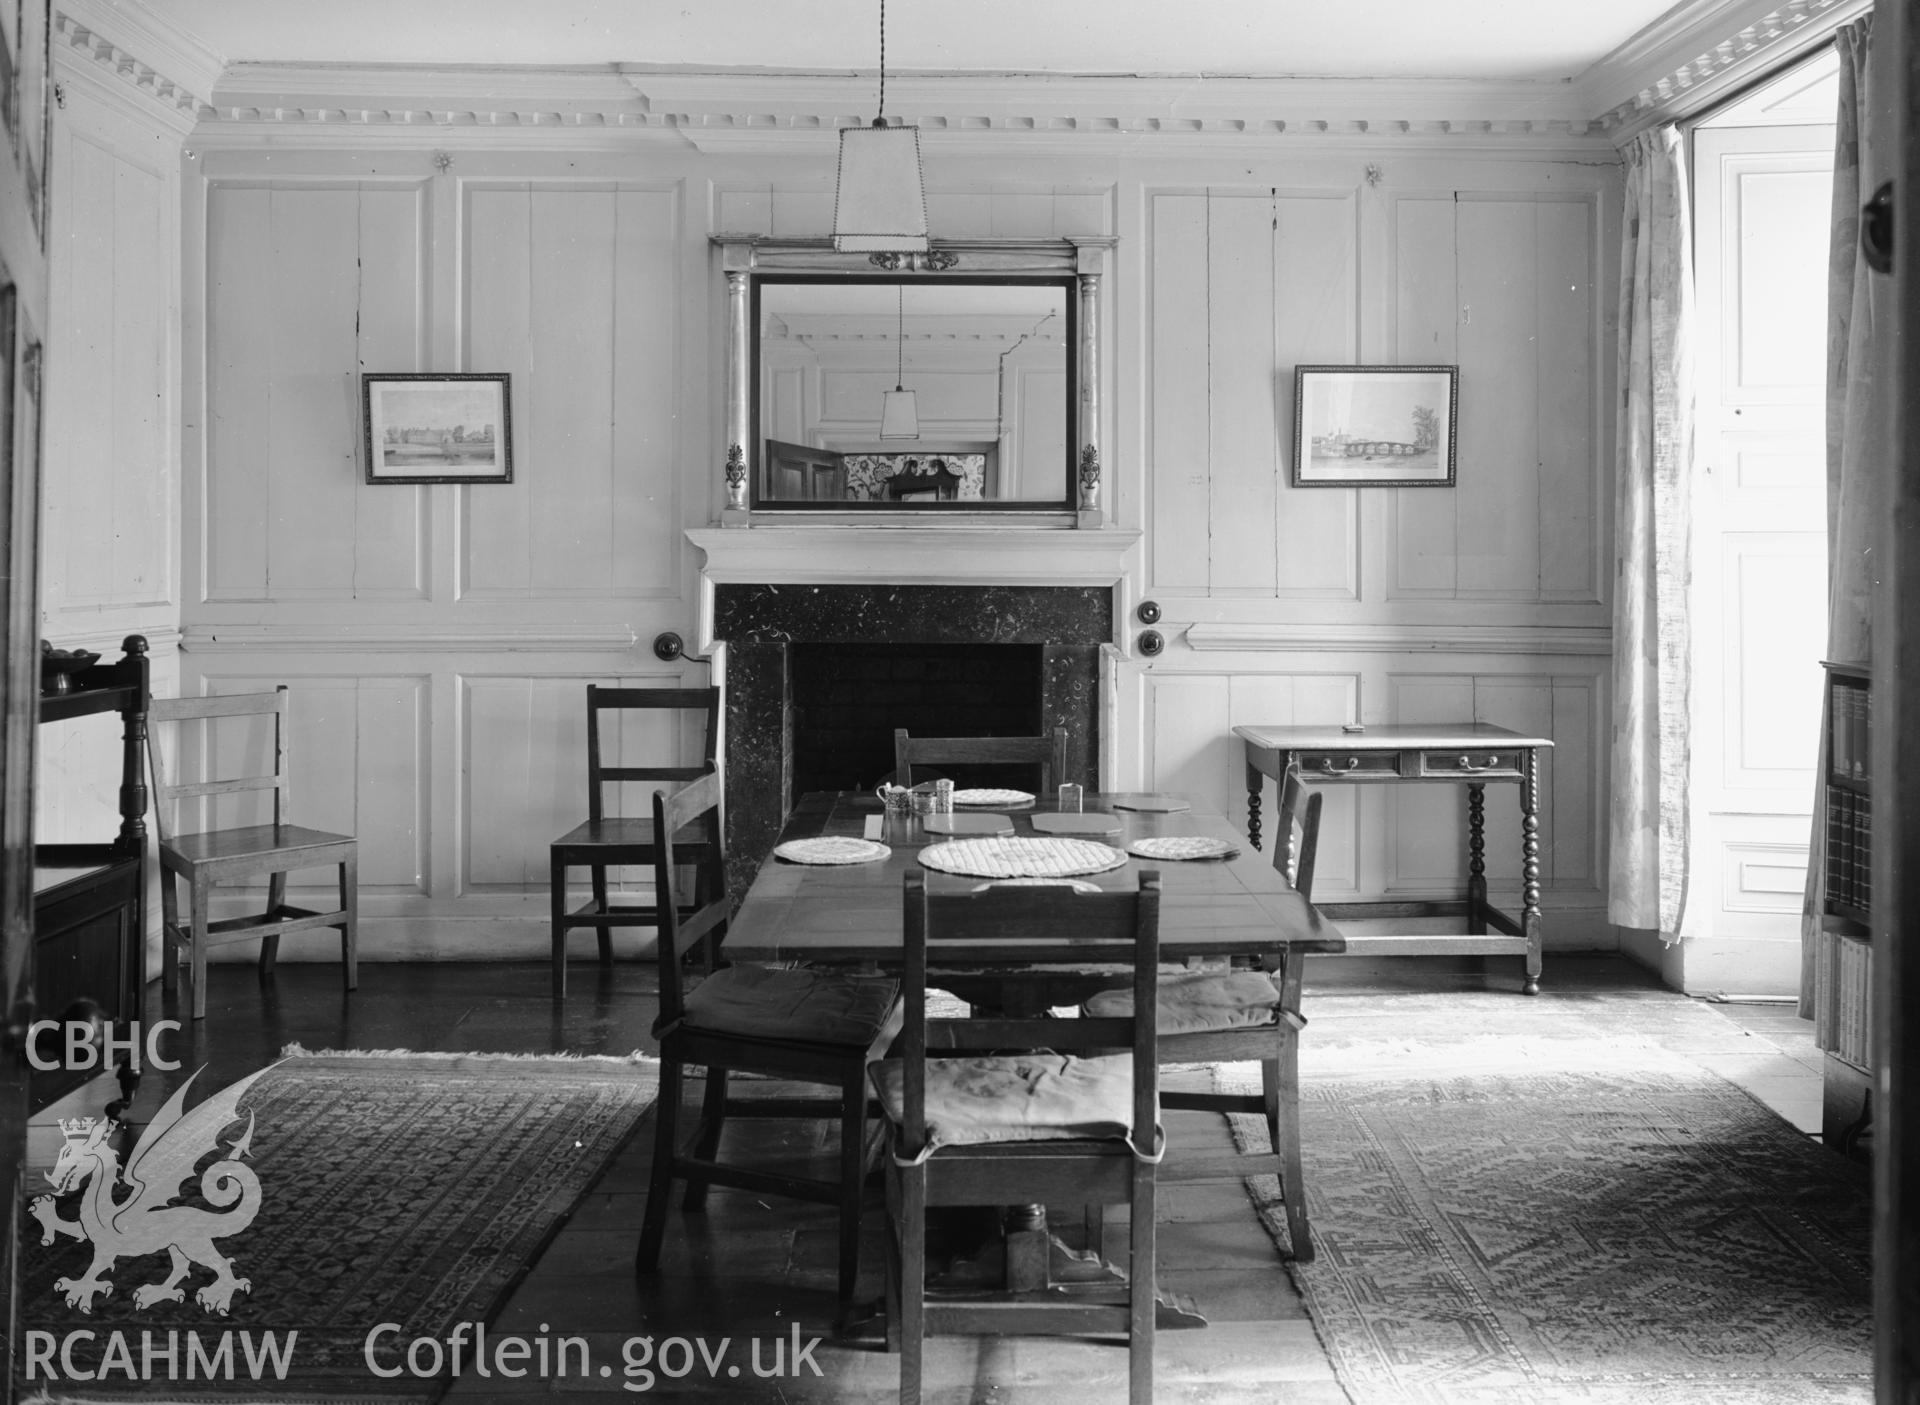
[169, 933]
[1141, 1307]
[604, 931]
[197, 946]
[713, 1116]
[350, 929]
[666, 1136]
[1280, 1082]
[270, 944]
[853, 1175]
[913, 1280]
[557, 892]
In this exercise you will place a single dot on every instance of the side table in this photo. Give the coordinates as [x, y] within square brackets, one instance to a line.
[1474, 754]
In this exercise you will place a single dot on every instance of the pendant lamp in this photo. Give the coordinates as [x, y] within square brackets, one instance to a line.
[899, 412]
[880, 200]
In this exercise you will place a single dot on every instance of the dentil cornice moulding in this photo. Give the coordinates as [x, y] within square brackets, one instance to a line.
[132, 46]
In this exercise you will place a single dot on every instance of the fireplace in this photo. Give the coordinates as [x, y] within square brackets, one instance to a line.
[819, 675]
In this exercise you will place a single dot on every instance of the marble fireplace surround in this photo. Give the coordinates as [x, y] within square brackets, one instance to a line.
[764, 589]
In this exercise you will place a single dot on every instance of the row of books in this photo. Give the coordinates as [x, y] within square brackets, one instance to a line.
[1843, 999]
[1850, 723]
[1850, 850]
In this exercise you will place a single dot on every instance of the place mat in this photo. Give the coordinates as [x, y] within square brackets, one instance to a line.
[831, 849]
[1021, 858]
[968, 824]
[1149, 804]
[992, 797]
[1076, 824]
[1182, 846]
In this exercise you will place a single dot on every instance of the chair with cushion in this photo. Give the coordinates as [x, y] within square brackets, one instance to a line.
[1076, 1125]
[798, 1026]
[606, 840]
[212, 856]
[1049, 753]
[1241, 1015]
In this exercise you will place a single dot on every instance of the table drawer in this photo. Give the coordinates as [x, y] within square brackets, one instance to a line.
[1357, 764]
[1474, 761]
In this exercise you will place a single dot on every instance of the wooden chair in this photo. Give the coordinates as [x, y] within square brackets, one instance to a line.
[951, 1146]
[225, 855]
[605, 840]
[797, 1025]
[1049, 753]
[1238, 1016]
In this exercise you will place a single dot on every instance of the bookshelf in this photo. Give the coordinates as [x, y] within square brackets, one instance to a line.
[1843, 993]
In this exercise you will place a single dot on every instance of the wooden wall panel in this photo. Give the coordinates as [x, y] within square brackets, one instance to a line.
[1566, 352]
[1177, 469]
[1242, 395]
[239, 360]
[1424, 261]
[1497, 535]
[573, 291]
[1316, 322]
[308, 285]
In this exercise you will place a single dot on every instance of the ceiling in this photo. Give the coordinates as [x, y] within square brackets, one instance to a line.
[1504, 40]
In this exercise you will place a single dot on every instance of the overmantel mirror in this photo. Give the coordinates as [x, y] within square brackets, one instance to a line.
[959, 380]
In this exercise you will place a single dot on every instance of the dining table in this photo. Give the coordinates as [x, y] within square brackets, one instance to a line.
[852, 914]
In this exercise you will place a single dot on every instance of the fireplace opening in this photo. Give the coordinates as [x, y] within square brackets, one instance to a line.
[848, 698]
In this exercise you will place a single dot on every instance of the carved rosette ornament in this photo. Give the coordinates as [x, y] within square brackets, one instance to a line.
[736, 477]
[936, 261]
[1089, 479]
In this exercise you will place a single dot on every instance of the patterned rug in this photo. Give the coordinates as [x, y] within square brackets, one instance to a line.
[1570, 1219]
[403, 1189]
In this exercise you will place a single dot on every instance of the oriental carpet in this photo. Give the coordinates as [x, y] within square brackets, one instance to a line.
[1565, 1213]
[409, 1190]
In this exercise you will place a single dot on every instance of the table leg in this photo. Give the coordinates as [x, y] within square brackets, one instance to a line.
[1476, 859]
[1530, 919]
[1253, 806]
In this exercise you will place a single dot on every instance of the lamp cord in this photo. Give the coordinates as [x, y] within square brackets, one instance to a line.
[881, 119]
[900, 344]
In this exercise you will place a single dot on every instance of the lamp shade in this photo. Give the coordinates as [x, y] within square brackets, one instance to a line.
[880, 203]
[899, 415]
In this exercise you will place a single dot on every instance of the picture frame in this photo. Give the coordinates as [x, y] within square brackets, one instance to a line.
[451, 427]
[1374, 426]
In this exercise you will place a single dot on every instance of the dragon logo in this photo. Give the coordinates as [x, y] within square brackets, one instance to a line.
[145, 1221]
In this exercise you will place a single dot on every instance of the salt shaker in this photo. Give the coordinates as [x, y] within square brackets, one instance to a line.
[1070, 798]
[943, 797]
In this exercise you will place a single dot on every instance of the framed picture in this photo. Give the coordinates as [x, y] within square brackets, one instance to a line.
[1379, 426]
[453, 428]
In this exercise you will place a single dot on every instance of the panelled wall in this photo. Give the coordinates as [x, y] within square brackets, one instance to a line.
[110, 529]
[1484, 602]
[438, 639]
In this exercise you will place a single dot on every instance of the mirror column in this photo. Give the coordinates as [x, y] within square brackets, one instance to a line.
[739, 348]
[1089, 394]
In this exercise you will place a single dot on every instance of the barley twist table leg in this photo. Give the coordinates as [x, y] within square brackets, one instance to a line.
[1530, 919]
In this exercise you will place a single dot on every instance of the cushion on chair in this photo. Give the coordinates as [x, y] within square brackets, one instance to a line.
[1016, 1097]
[1196, 1004]
[815, 1007]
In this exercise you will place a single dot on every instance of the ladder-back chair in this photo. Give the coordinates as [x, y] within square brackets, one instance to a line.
[1237, 1016]
[605, 840]
[819, 1027]
[213, 856]
[1049, 753]
[1074, 1126]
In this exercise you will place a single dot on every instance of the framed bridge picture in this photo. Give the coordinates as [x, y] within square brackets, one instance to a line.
[1373, 426]
[451, 428]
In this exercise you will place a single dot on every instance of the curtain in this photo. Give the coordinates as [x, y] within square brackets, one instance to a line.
[1647, 876]
[1858, 328]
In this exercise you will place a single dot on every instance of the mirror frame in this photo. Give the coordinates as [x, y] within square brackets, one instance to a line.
[1078, 262]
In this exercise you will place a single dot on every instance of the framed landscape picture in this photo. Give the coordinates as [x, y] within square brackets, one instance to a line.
[1378, 426]
[451, 428]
